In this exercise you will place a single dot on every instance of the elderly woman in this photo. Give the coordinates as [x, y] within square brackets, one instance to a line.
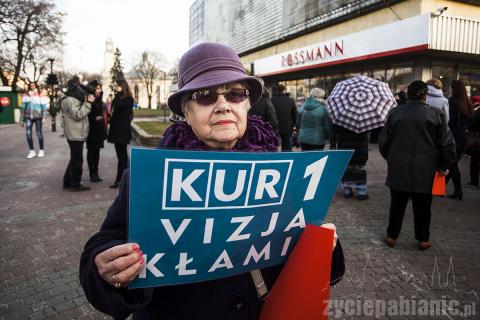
[314, 123]
[214, 97]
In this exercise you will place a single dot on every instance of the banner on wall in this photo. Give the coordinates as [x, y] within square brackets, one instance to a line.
[200, 215]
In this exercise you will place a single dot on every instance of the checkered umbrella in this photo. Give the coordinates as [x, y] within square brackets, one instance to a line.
[360, 104]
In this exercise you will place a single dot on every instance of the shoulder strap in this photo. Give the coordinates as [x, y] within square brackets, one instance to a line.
[260, 286]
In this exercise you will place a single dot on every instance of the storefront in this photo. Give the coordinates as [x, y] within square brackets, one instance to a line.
[419, 47]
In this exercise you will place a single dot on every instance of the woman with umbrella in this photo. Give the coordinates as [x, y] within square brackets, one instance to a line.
[357, 106]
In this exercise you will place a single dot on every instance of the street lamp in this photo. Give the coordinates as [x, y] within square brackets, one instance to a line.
[52, 80]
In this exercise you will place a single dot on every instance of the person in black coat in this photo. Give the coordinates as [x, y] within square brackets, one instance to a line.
[474, 126]
[354, 180]
[120, 133]
[416, 143]
[460, 109]
[264, 108]
[97, 133]
[287, 115]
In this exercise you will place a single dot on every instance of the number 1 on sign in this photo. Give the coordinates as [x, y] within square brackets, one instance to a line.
[315, 170]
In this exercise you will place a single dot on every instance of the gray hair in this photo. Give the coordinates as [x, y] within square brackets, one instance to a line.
[317, 93]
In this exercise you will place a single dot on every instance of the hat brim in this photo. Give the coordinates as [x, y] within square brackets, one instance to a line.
[212, 79]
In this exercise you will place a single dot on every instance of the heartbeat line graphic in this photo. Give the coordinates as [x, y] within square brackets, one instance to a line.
[421, 281]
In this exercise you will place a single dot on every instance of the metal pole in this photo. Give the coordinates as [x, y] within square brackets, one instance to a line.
[53, 112]
[164, 100]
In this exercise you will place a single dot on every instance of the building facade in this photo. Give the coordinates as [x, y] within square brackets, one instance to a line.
[161, 85]
[306, 43]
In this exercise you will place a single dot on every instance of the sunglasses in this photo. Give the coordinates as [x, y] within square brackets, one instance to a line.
[209, 97]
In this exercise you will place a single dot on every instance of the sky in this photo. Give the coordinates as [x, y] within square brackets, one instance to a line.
[133, 25]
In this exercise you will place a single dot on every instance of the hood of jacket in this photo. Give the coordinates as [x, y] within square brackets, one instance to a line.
[311, 104]
[434, 92]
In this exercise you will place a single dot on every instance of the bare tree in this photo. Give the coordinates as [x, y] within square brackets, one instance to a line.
[27, 28]
[173, 73]
[149, 70]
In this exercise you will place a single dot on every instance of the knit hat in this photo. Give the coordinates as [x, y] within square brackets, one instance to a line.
[417, 89]
[208, 65]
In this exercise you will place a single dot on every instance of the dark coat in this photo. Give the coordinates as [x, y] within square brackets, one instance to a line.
[416, 142]
[474, 123]
[122, 114]
[286, 112]
[458, 125]
[346, 139]
[229, 298]
[97, 132]
[264, 108]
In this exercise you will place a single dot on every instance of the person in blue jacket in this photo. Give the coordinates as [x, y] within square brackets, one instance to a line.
[314, 122]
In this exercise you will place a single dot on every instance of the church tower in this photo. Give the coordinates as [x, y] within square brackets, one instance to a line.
[108, 60]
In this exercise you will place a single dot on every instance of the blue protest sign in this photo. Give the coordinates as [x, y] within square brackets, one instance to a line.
[205, 215]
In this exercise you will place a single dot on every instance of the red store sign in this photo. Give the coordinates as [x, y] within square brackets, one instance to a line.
[4, 101]
[317, 53]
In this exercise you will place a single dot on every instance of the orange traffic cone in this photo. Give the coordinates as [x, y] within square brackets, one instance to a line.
[438, 188]
[302, 289]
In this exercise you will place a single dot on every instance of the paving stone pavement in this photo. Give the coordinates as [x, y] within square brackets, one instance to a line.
[43, 229]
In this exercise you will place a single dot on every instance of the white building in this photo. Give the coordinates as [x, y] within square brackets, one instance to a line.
[161, 85]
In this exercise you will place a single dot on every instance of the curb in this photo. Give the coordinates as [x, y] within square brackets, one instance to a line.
[143, 138]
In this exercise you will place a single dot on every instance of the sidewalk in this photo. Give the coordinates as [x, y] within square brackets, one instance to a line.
[44, 228]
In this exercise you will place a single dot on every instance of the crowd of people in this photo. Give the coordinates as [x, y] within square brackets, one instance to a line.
[85, 119]
[424, 135]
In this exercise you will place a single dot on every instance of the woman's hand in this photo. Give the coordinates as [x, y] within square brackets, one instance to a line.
[120, 265]
[335, 236]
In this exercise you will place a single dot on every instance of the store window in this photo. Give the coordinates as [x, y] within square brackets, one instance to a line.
[398, 78]
[317, 82]
[379, 74]
[471, 79]
[331, 81]
[445, 74]
[292, 88]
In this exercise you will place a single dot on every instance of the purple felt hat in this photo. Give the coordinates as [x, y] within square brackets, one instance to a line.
[207, 65]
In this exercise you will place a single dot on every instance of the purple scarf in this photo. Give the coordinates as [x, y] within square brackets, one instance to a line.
[259, 136]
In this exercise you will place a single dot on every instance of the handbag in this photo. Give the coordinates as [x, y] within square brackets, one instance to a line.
[472, 143]
[439, 185]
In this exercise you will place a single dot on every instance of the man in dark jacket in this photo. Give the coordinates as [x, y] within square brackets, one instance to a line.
[416, 142]
[287, 116]
[97, 133]
[264, 108]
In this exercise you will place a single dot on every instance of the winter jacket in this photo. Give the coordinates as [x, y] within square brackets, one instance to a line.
[458, 125]
[474, 123]
[265, 109]
[122, 114]
[346, 139]
[286, 113]
[75, 118]
[33, 106]
[436, 99]
[231, 298]
[314, 123]
[416, 142]
[97, 132]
